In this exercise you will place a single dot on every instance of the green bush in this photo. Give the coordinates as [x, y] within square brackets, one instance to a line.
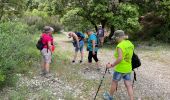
[38, 19]
[16, 53]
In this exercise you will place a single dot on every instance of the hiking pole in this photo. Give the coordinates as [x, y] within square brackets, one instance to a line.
[100, 84]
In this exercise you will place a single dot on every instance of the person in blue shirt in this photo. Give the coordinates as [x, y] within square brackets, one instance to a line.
[92, 47]
[78, 43]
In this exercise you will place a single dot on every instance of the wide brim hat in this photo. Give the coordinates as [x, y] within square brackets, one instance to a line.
[118, 33]
[48, 29]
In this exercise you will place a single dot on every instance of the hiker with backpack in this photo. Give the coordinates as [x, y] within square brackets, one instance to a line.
[46, 47]
[78, 43]
[92, 47]
[101, 34]
[122, 65]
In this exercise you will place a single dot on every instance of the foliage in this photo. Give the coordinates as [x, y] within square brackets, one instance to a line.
[11, 9]
[155, 20]
[38, 19]
[126, 18]
[73, 22]
[16, 51]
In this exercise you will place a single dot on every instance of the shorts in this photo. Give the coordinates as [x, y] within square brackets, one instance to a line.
[117, 76]
[101, 39]
[81, 44]
[77, 49]
[46, 55]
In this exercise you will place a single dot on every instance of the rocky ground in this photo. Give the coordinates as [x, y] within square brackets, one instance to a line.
[76, 83]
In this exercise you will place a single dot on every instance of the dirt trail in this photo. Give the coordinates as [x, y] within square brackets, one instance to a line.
[153, 78]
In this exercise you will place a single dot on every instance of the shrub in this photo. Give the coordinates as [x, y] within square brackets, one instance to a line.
[15, 52]
[38, 19]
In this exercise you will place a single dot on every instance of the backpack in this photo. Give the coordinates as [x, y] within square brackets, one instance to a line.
[135, 61]
[100, 32]
[135, 64]
[79, 34]
[97, 42]
[39, 44]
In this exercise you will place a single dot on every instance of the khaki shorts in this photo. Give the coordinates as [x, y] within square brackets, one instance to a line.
[46, 55]
[101, 39]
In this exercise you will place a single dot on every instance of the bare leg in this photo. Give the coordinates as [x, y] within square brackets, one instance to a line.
[113, 87]
[82, 54]
[102, 41]
[75, 55]
[46, 67]
[128, 85]
[42, 65]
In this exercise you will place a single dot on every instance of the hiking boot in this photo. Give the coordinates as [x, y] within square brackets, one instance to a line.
[81, 61]
[106, 96]
[73, 61]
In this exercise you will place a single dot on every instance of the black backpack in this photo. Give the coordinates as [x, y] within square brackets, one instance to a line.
[135, 64]
[39, 44]
[97, 42]
[135, 61]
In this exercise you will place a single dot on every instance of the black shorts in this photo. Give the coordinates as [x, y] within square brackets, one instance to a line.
[90, 56]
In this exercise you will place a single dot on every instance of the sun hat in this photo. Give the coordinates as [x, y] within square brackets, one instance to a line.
[48, 29]
[118, 33]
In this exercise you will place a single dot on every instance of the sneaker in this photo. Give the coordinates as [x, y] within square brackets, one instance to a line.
[86, 68]
[48, 75]
[106, 96]
[98, 69]
[73, 61]
[42, 73]
[109, 71]
[81, 61]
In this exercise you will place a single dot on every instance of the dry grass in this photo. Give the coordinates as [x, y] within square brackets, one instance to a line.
[153, 77]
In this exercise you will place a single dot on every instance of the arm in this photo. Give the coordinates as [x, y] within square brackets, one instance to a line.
[118, 60]
[77, 40]
[49, 46]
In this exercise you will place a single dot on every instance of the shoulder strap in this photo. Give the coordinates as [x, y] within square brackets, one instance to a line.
[134, 77]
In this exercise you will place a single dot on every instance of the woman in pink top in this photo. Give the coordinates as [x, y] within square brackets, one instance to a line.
[47, 50]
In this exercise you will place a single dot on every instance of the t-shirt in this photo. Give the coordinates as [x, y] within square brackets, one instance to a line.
[125, 65]
[46, 38]
[89, 41]
[100, 32]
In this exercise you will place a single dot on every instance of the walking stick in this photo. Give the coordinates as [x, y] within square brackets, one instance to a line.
[100, 84]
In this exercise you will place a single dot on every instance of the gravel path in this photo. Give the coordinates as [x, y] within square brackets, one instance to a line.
[153, 77]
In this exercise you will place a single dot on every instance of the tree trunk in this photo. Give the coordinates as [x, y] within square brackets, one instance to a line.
[103, 22]
[96, 28]
[112, 29]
